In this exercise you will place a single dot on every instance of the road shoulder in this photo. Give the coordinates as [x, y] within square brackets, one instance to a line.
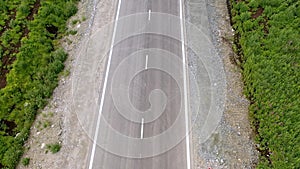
[231, 145]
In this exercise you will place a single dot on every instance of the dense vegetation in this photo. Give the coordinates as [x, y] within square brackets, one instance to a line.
[30, 62]
[268, 42]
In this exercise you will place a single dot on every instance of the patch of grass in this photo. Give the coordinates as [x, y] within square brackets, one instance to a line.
[43, 124]
[54, 148]
[25, 161]
[44, 115]
[46, 124]
[69, 42]
[50, 114]
[66, 73]
[72, 32]
[38, 125]
[74, 22]
[47, 114]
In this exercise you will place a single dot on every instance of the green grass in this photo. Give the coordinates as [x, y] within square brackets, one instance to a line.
[74, 22]
[53, 148]
[72, 32]
[25, 161]
[83, 18]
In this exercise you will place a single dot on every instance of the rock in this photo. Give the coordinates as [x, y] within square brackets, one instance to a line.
[43, 145]
[59, 133]
[222, 161]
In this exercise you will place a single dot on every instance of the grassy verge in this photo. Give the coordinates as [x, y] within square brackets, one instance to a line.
[268, 41]
[33, 71]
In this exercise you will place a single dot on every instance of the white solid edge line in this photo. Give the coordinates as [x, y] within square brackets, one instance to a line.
[142, 129]
[146, 65]
[104, 87]
[149, 14]
[188, 156]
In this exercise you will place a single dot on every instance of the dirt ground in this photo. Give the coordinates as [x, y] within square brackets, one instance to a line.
[230, 146]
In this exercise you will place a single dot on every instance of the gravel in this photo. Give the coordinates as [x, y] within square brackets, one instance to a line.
[231, 144]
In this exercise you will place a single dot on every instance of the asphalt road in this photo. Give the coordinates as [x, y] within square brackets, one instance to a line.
[139, 127]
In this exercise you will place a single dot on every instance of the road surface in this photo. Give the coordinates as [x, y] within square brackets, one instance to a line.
[110, 119]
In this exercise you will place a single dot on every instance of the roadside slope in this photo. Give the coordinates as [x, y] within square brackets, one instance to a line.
[31, 60]
[61, 113]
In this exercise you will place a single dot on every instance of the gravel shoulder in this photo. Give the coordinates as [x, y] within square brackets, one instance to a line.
[231, 145]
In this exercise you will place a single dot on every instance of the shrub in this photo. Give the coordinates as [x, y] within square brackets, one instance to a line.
[271, 55]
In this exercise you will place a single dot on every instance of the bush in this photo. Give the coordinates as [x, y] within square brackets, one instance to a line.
[271, 55]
